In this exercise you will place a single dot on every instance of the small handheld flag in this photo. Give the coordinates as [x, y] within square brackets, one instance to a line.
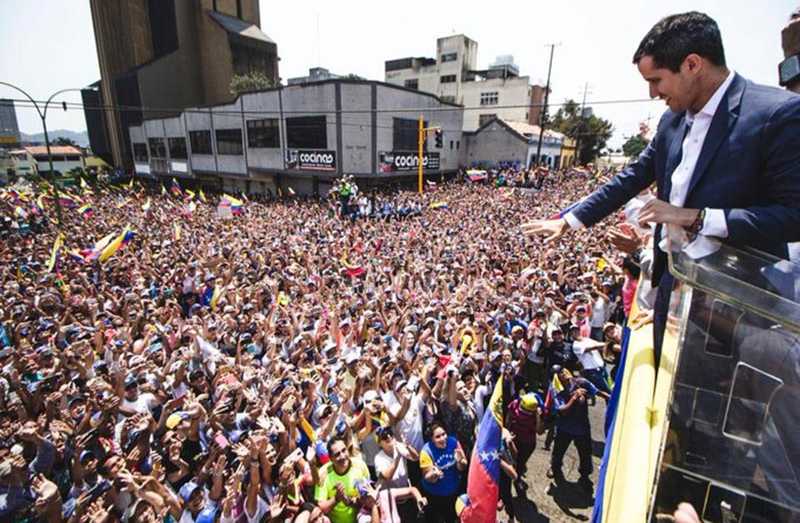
[51, 263]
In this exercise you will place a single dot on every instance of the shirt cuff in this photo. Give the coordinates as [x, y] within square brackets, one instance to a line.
[573, 221]
[714, 224]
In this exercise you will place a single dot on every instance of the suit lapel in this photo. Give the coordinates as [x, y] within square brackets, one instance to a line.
[673, 157]
[721, 125]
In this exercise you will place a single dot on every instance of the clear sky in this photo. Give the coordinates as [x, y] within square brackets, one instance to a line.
[49, 44]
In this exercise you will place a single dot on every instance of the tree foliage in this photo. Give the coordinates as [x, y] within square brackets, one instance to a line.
[252, 81]
[63, 141]
[592, 132]
[634, 146]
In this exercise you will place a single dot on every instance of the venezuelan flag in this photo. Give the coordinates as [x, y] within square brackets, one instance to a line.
[551, 399]
[189, 194]
[353, 271]
[236, 204]
[51, 263]
[67, 201]
[118, 243]
[85, 187]
[86, 211]
[203, 197]
[94, 252]
[175, 188]
[308, 435]
[438, 205]
[483, 481]
[216, 296]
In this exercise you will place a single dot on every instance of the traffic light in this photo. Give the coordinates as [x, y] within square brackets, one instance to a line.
[438, 134]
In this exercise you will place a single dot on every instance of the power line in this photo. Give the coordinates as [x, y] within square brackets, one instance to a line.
[211, 111]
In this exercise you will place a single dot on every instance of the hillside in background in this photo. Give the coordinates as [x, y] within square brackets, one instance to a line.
[81, 138]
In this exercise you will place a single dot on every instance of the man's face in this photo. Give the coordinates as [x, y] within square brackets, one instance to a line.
[196, 501]
[339, 455]
[676, 89]
[132, 392]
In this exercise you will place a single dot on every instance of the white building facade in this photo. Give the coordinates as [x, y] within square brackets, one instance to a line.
[496, 92]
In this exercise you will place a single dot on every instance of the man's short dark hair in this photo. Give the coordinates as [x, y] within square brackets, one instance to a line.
[675, 37]
[332, 442]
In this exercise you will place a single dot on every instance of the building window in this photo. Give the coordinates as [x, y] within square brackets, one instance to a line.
[485, 118]
[307, 132]
[451, 145]
[157, 148]
[177, 148]
[489, 98]
[448, 99]
[458, 144]
[447, 79]
[200, 142]
[412, 83]
[140, 152]
[229, 142]
[449, 57]
[406, 135]
[263, 134]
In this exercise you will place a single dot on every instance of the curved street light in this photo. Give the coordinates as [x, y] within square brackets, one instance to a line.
[43, 116]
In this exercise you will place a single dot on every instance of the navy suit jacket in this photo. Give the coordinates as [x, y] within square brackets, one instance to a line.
[749, 166]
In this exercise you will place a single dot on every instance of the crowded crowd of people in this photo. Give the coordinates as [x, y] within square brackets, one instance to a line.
[162, 361]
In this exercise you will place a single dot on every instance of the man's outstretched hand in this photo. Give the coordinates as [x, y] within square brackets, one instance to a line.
[553, 229]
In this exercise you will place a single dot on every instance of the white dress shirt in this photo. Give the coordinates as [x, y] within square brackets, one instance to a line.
[714, 223]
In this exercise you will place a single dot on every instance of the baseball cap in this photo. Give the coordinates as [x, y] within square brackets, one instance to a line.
[529, 402]
[187, 490]
[370, 395]
[175, 419]
[86, 455]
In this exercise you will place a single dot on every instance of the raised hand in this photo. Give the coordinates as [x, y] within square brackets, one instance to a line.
[551, 229]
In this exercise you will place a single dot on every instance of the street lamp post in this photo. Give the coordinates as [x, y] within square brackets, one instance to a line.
[43, 116]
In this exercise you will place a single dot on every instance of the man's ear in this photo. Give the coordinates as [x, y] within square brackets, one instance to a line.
[693, 63]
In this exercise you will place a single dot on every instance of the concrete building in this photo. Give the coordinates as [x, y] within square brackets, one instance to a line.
[496, 92]
[569, 153]
[160, 56]
[23, 162]
[301, 137]
[315, 74]
[65, 158]
[9, 128]
[500, 142]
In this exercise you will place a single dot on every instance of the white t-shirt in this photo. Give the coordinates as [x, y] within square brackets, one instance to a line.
[142, 405]
[589, 359]
[411, 424]
[383, 462]
[599, 315]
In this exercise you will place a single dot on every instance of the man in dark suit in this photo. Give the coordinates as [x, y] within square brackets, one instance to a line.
[725, 158]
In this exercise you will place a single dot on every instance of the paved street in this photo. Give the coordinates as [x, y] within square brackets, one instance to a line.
[544, 501]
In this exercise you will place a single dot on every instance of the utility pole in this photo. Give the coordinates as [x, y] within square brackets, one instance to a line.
[420, 142]
[580, 122]
[543, 113]
[43, 117]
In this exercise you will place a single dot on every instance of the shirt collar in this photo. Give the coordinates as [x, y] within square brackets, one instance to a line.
[713, 103]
